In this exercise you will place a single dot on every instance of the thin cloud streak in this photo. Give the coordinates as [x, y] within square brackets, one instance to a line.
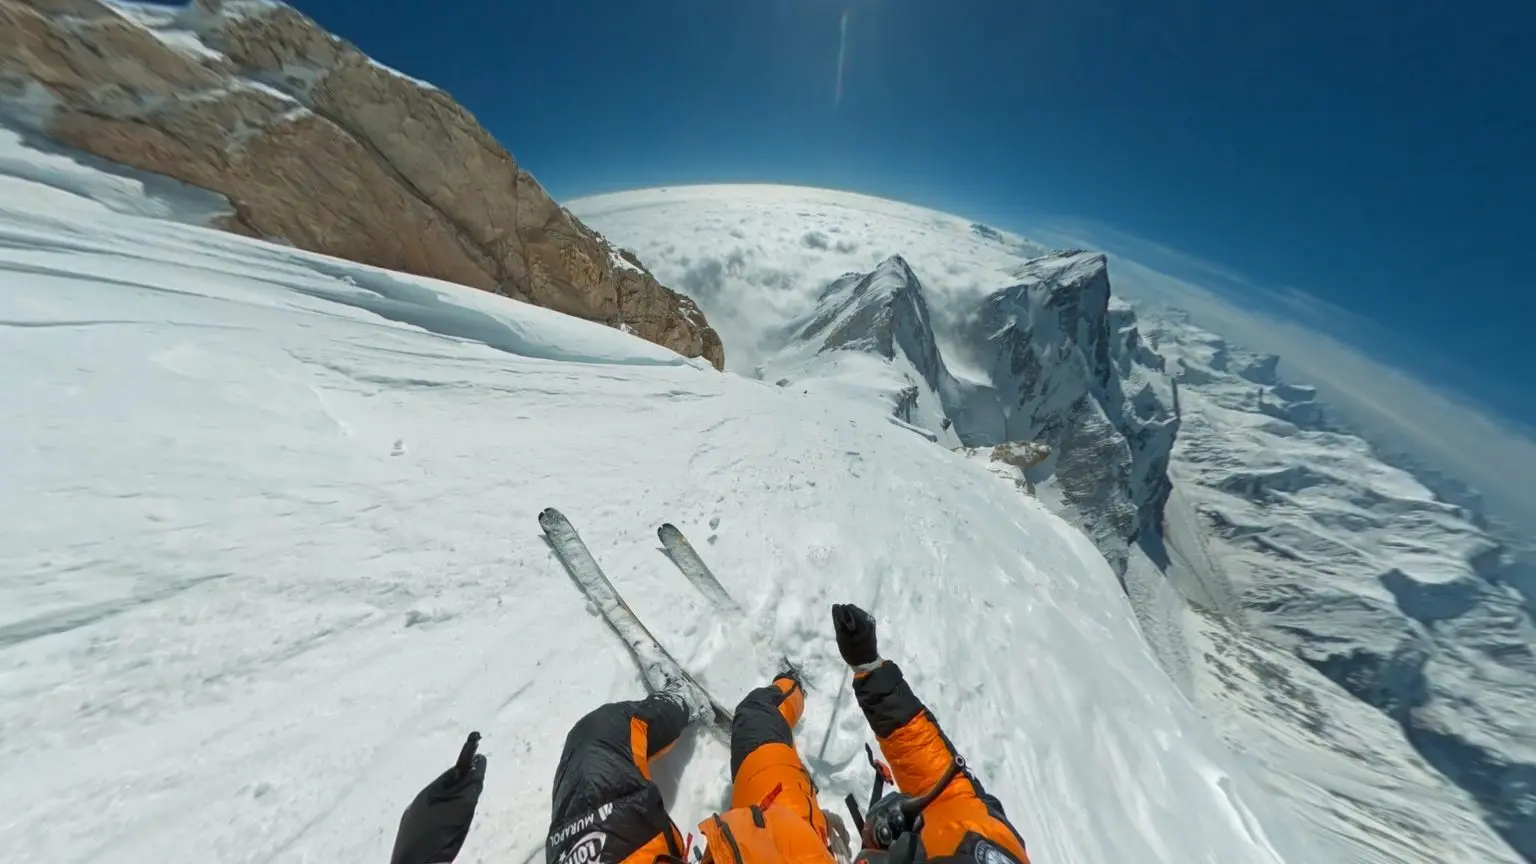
[842, 56]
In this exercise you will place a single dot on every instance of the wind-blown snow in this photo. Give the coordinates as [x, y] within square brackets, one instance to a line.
[114, 187]
[268, 545]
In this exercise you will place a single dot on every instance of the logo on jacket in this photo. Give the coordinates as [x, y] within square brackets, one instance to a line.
[986, 853]
[587, 850]
[571, 829]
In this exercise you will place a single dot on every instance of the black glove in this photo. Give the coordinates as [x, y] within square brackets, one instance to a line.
[855, 634]
[433, 828]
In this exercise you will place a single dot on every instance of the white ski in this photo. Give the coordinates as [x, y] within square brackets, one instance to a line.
[657, 665]
[693, 567]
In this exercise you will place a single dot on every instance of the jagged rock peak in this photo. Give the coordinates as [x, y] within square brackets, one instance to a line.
[880, 310]
[1070, 369]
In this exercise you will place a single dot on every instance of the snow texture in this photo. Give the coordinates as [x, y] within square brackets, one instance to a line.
[172, 25]
[1360, 571]
[269, 543]
[1353, 635]
[659, 669]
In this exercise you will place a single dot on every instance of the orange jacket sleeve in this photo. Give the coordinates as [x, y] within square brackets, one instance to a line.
[918, 751]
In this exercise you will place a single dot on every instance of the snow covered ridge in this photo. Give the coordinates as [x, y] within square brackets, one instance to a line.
[870, 337]
[315, 144]
[1361, 571]
[269, 548]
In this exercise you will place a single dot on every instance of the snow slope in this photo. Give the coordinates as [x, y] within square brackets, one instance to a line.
[269, 550]
[1219, 618]
[951, 330]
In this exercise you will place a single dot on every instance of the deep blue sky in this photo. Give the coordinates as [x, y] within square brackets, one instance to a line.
[1378, 153]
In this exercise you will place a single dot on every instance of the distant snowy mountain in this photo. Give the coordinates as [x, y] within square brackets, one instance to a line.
[1351, 565]
[1348, 632]
[1358, 569]
[870, 335]
[1054, 367]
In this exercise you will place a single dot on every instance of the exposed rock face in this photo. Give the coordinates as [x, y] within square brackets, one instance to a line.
[1011, 461]
[1068, 369]
[315, 144]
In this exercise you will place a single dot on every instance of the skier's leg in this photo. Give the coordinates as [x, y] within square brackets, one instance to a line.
[603, 782]
[763, 757]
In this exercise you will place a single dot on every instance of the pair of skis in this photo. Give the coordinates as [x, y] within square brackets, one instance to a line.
[657, 665]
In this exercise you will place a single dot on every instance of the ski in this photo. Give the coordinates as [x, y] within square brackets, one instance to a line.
[657, 665]
[693, 567]
[687, 559]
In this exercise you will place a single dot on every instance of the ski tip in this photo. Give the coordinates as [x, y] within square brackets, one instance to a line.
[549, 515]
[665, 529]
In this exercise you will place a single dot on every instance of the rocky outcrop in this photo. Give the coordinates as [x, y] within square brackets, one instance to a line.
[1068, 369]
[1011, 461]
[315, 144]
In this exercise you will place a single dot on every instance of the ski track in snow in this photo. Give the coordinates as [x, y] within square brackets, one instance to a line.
[268, 537]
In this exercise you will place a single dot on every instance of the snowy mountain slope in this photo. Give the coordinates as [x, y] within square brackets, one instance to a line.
[878, 316]
[1341, 764]
[1338, 762]
[269, 550]
[1360, 571]
[761, 260]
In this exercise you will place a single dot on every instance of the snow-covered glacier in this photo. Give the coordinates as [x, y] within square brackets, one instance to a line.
[269, 550]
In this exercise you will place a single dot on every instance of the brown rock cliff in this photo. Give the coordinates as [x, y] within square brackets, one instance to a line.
[315, 144]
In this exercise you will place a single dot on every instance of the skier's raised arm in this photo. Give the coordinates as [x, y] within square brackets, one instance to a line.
[963, 817]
